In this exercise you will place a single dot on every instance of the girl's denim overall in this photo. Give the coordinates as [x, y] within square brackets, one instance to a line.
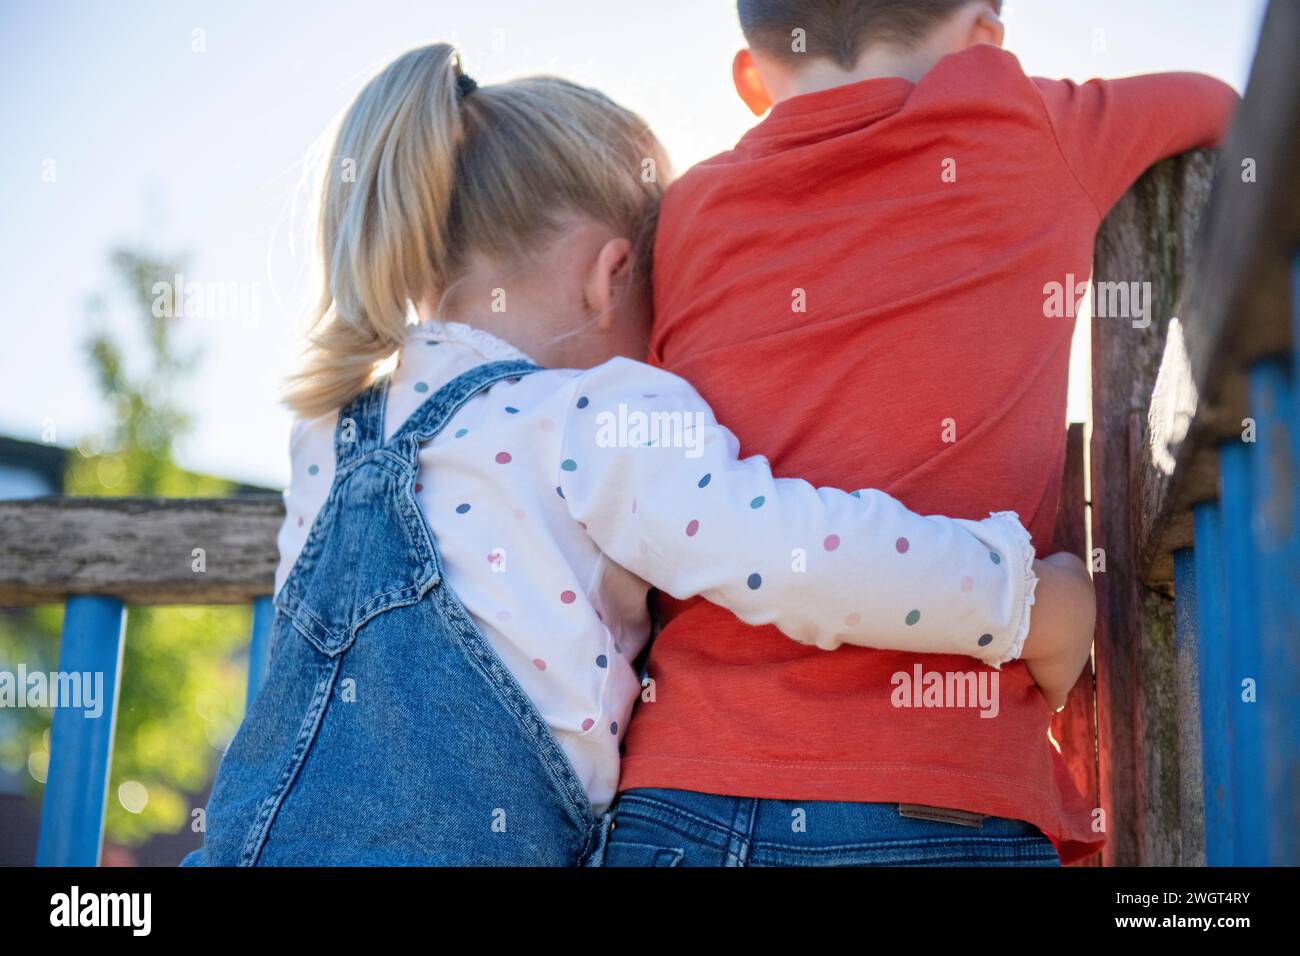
[388, 731]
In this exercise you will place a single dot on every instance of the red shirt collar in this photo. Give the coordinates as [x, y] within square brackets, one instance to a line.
[825, 113]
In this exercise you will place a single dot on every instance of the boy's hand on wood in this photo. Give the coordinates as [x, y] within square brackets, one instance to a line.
[1061, 628]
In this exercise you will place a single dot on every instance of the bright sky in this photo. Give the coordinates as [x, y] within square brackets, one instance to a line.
[157, 145]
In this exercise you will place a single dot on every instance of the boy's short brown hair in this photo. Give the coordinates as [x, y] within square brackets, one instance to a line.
[839, 29]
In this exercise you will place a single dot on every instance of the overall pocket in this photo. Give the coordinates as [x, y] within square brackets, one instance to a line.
[367, 552]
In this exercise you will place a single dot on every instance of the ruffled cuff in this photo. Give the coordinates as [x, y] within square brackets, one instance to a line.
[1019, 554]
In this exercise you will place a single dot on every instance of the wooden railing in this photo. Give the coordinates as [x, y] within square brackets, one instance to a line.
[1195, 498]
[98, 555]
[1185, 733]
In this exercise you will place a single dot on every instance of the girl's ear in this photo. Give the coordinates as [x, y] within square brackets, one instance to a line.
[607, 279]
[749, 83]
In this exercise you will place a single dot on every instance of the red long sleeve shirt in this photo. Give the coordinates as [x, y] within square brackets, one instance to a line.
[857, 284]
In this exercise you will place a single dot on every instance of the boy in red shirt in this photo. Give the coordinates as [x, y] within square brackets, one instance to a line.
[862, 290]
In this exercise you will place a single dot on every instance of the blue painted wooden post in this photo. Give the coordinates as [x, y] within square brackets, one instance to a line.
[1245, 731]
[1295, 337]
[1191, 776]
[259, 648]
[81, 745]
[1277, 566]
[1293, 857]
[1213, 660]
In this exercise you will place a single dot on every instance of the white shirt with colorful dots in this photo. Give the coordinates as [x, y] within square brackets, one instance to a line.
[559, 498]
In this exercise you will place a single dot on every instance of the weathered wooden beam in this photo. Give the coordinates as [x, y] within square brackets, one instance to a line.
[1241, 283]
[1075, 727]
[141, 550]
[1147, 238]
[1152, 239]
[1187, 673]
[1235, 307]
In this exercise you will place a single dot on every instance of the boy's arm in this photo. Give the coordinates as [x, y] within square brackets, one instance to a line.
[1111, 131]
[826, 567]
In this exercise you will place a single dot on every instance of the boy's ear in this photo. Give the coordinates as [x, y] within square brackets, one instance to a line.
[988, 28]
[749, 83]
[607, 278]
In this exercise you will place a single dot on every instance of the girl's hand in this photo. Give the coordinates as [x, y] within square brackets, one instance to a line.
[1061, 628]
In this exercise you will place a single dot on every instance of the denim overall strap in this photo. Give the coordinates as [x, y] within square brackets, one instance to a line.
[360, 428]
[422, 425]
[429, 419]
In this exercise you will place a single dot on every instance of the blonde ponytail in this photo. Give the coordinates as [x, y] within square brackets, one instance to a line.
[420, 177]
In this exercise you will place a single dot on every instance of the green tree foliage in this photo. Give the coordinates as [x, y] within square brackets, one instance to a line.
[183, 668]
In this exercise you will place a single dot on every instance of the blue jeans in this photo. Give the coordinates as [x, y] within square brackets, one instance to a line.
[652, 827]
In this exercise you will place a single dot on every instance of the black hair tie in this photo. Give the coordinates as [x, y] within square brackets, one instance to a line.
[465, 85]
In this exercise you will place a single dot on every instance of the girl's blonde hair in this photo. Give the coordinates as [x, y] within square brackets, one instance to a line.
[422, 175]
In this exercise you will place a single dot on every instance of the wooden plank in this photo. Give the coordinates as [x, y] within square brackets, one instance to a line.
[1252, 227]
[1235, 309]
[1214, 668]
[1074, 728]
[1242, 609]
[1071, 530]
[1170, 206]
[1191, 776]
[1158, 732]
[141, 550]
[1275, 497]
[1146, 239]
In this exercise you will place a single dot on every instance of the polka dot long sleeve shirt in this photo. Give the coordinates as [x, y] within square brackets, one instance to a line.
[559, 498]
